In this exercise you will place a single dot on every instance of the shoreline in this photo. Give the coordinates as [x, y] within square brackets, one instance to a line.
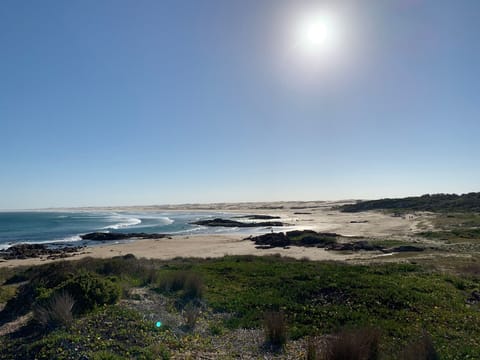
[193, 246]
[321, 217]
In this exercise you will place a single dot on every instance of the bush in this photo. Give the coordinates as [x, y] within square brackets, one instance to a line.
[360, 344]
[90, 290]
[56, 312]
[275, 328]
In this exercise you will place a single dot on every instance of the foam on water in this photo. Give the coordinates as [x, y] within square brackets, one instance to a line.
[55, 241]
[67, 227]
[129, 222]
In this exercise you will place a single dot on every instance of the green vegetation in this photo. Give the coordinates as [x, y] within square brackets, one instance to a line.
[450, 221]
[437, 203]
[89, 291]
[452, 235]
[292, 300]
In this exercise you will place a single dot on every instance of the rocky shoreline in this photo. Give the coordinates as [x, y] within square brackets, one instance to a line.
[328, 241]
[53, 251]
[28, 251]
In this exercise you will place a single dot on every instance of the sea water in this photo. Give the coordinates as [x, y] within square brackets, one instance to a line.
[67, 226]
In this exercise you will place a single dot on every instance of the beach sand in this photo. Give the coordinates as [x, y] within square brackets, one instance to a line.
[318, 216]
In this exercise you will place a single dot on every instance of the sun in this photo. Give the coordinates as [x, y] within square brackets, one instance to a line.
[317, 33]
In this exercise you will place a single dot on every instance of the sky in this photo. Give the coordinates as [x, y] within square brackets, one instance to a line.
[115, 102]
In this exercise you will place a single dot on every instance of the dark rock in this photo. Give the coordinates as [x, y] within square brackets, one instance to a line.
[310, 238]
[233, 223]
[302, 213]
[407, 248]
[271, 240]
[296, 237]
[103, 236]
[258, 217]
[297, 233]
[354, 246]
[26, 251]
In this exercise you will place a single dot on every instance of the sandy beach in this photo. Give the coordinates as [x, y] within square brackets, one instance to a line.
[318, 216]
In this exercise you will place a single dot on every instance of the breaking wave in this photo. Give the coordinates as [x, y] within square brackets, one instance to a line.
[124, 224]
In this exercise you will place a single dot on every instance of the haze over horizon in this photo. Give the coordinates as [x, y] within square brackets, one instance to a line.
[118, 103]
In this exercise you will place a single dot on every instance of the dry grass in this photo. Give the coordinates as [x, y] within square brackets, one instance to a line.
[57, 312]
[423, 349]
[359, 344]
[187, 281]
[275, 328]
[312, 352]
[191, 314]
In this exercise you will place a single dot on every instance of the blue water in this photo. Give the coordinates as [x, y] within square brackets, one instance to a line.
[66, 227]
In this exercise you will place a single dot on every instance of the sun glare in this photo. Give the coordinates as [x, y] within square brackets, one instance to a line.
[317, 33]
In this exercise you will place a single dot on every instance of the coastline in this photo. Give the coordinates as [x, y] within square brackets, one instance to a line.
[318, 216]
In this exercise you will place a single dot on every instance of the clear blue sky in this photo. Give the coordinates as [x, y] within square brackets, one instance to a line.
[113, 102]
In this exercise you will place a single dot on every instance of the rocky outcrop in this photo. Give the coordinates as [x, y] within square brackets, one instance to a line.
[272, 240]
[354, 246]
[26, 251]
[298, 238]
[405, 248]
[258, 217]
[104, 236]
[233, 223]
[328, 241]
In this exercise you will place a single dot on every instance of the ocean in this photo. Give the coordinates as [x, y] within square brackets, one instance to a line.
[65, 227]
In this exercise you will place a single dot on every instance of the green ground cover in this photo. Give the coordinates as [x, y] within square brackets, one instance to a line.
[400, 300]
[445, 203]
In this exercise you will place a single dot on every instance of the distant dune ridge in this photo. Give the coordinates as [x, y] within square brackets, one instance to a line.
[435, 203]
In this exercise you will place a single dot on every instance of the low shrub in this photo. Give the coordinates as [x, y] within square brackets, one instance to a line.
[90, 290]
[216, 329]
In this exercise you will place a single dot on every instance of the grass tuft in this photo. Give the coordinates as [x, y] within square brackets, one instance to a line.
[359, 344]
[422, 349]
[275, 329]
[56, 312]
[188, 282]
